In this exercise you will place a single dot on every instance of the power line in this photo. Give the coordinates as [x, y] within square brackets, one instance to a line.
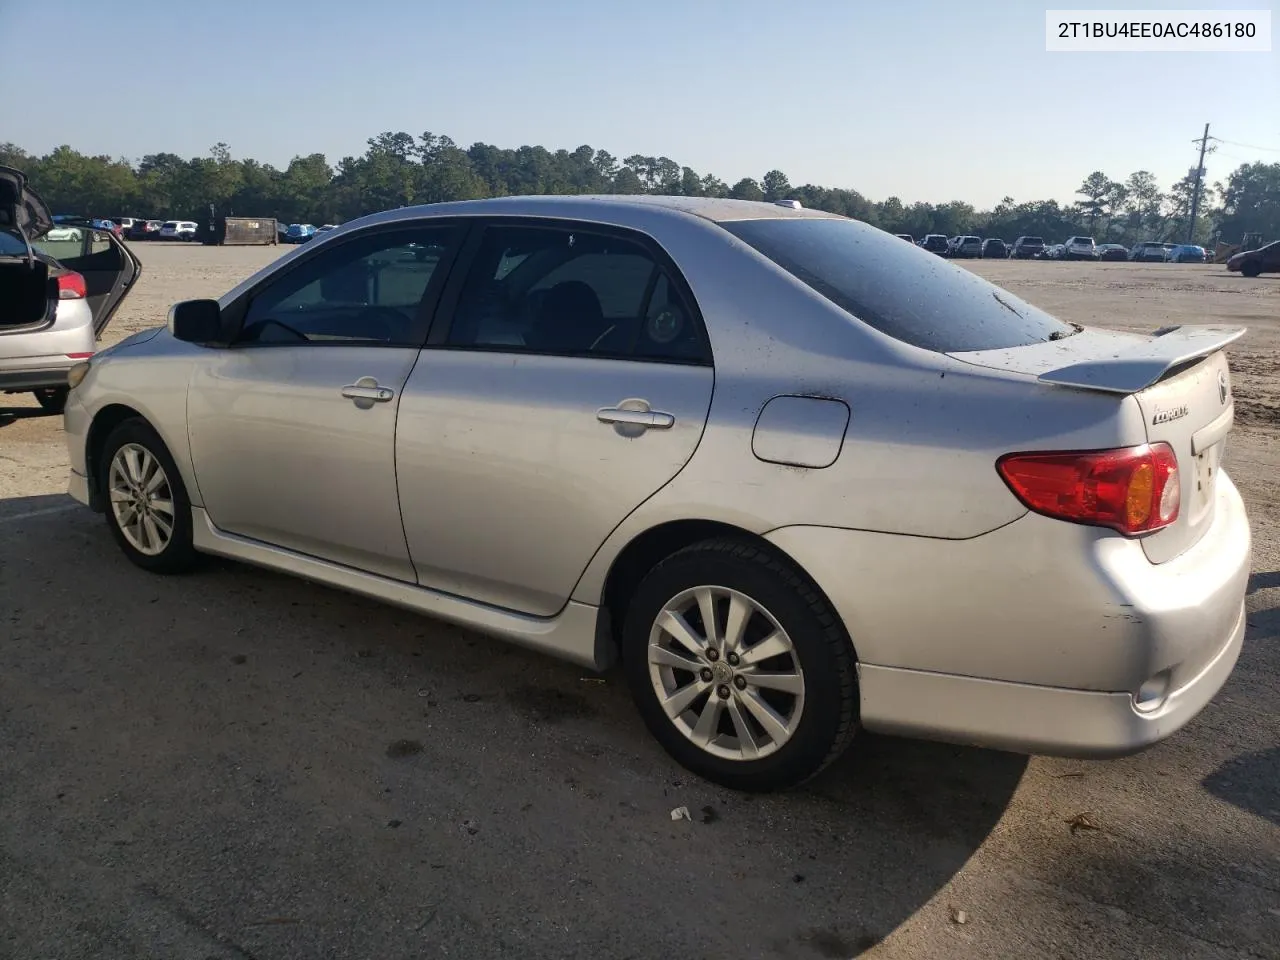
[1247, 146]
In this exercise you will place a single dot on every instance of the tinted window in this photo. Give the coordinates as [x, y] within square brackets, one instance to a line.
[897, 289]
[367, 290]
[11, 245]
[573, 292]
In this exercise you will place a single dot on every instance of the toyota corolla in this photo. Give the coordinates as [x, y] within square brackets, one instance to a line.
[803, 478]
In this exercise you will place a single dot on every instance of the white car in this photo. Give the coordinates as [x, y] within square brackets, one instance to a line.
[59, 286]
[933, 509]
[1079, 248]
[178, 230]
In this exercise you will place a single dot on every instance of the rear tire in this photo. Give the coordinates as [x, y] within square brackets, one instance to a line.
[147, 507]
[52, 399]
[763, 711]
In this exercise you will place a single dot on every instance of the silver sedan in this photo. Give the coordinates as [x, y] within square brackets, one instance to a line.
[802, 477]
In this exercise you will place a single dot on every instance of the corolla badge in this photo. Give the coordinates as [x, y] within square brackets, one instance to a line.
[1224, 390]
[1172, 413]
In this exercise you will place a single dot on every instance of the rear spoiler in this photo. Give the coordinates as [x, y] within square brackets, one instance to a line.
[1137, 366]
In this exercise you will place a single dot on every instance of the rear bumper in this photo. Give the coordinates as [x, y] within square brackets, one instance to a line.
[1033, 719]
[1036, 637]
[40, 375]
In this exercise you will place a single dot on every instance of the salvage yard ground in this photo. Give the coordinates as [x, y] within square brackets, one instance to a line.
[236, 764]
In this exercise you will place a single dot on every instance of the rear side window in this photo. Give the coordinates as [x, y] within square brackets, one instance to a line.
[899, 289]
[574, 292]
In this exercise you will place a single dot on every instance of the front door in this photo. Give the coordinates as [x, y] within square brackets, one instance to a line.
[571, 382]
[293, 427]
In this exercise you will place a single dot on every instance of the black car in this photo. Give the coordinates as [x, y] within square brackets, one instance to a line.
[905, 236]
[935, 243]
[1253, 262]
[1027, 248]
[994, 249]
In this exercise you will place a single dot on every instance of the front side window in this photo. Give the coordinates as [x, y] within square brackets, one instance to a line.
[367, 290]
[561, 290]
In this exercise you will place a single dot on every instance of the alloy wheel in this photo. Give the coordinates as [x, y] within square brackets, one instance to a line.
[141, 499]
[726, 673]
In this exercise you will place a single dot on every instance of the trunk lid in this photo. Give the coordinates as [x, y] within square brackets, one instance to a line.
[1180, 380]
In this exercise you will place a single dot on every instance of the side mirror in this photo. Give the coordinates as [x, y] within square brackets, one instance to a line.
[198, 321]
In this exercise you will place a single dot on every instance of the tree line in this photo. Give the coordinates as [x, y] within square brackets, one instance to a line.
[399, 169]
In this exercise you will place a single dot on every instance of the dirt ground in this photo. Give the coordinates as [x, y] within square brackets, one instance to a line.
[241, 765]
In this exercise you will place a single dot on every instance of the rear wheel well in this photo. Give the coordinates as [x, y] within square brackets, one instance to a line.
[649, 549]
[106, 420]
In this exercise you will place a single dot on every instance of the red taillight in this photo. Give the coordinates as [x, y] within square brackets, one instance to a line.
[71, 287]
[1132, 489]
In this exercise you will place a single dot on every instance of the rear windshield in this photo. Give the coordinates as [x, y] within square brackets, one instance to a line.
[1033, 240]
[899, 289]
[170, 224]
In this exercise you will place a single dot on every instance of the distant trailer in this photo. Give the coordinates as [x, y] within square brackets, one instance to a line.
[239, 231]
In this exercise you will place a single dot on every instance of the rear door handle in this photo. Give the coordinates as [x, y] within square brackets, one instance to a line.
[366, 388]
[650, 419]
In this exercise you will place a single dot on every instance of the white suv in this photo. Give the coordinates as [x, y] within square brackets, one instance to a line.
[1079, 248]
[178, 230]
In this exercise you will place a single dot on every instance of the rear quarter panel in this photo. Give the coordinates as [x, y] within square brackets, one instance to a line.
[918, 457]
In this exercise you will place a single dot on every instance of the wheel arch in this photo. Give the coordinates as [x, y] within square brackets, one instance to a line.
[104, 421]
[649, 548]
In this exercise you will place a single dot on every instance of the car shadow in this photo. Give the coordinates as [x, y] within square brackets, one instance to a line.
[1264, 580]
[10, 415]
[260, 736]
[1249, 782]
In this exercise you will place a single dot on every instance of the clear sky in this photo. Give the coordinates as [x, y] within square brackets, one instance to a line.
[923, 99]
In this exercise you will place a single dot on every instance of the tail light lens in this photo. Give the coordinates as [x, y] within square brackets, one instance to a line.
[71, 287]
[1132, 489]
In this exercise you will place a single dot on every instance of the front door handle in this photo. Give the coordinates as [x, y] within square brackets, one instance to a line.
[648, 419]
[366, 388]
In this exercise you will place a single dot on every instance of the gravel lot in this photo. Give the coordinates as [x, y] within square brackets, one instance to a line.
[240, 765]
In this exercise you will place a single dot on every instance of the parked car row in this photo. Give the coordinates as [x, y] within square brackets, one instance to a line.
[1074, 248]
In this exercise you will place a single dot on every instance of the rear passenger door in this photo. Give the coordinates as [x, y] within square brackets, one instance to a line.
[107, 265]
[566, 379]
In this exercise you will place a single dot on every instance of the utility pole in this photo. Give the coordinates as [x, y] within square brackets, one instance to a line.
[1195, 196]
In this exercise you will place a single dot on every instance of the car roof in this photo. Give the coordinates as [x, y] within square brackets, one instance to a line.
[608, 208]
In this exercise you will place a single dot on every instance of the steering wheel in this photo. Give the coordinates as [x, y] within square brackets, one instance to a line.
[386, 324]
[263, 324]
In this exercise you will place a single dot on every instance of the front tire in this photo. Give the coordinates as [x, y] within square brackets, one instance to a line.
[1250, 268]
[52, 399]
[147, 507]
[739, 666]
